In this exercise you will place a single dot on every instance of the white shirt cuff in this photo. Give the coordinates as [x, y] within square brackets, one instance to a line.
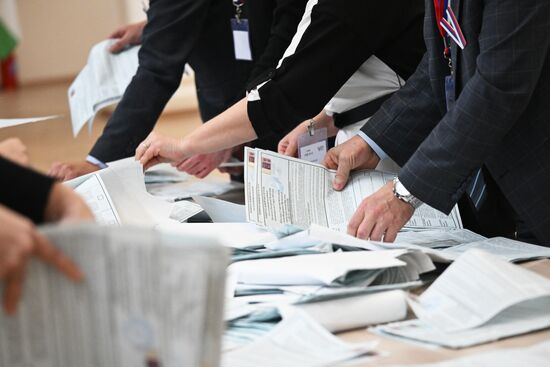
[97, 162]
[379, 152]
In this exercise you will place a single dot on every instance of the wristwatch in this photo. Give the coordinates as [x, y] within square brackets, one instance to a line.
[403, 194]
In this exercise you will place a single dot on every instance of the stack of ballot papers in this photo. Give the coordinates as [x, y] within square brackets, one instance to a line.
[537, 355]
[480, 298]
[298, 341]
[101, 82]
[281, 191]
[148, 299]
[117, 195]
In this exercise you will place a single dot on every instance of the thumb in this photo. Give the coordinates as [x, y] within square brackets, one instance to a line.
[342, 174]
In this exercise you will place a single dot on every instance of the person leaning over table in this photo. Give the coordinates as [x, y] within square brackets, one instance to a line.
[197, 32]
[340, 38]
[499, 122]
[28, 198]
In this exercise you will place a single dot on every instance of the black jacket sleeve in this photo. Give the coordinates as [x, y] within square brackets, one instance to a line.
[24, 190]
[339, 39]
[168, 39]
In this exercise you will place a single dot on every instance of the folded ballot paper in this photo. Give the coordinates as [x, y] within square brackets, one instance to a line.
[148, 299]
[100, 83]
[117, 195]
[281, 191]
[478, 299]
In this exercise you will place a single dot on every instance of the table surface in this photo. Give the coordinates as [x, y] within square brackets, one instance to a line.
[397, 352]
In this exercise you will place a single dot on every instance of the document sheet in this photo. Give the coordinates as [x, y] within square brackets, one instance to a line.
[117, 195]
[101, 82]
[298, 341]
[281, 190]
[148, 299]
[537, 355]
[479, 298]
[21, 121]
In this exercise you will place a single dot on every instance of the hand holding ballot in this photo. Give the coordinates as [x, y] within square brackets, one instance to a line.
[160, 149]
[20, 240]
[354, 154]
[127, 35]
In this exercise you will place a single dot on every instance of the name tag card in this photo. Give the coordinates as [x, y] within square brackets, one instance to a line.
[241, 41]
[313, 148]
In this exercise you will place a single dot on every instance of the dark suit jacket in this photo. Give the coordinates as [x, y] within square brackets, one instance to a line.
[197, 32]
[24, 190]
[501, 118]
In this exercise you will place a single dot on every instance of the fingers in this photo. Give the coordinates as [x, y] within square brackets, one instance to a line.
[50, 254]
[281, 147]
[62, 171]
[342, 174]
[14, 288]
[118, 46]
[291, 149]
[189, 164]
[329, 161]
[143, 146]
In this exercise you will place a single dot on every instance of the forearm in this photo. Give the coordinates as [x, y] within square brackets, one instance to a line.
[231, 128]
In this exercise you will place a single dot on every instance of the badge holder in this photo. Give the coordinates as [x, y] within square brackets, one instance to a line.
[241, 40]
[312, 146]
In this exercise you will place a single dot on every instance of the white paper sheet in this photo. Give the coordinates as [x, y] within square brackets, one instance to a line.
[146, 296]
[100, 83]
[221, 211]
[298, 341]
[281, 191]
[474, 289]
[321, 269]
[20, 121]
[504, 248]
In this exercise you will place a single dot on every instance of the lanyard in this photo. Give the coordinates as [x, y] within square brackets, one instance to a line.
[238, 4]
[441, 7]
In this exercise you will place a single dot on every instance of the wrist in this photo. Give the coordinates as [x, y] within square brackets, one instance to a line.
[403, 194]
[365, 150]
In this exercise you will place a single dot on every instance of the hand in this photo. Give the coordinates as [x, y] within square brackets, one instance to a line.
[353, 154]
[14, 150]
[201, 165]
[380, 216]
[19, 240]
[127, 35]
[289, 144]
[66, 171]
[159, 149]
[65, 205]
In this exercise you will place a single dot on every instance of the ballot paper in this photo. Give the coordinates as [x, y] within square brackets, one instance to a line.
[148, 299]
[117, 195]
[479, 298]
[360, 268]
[221, 211]
[289, 191]
[100, 83]
[21, 121]
[537, 355]
[297, 341]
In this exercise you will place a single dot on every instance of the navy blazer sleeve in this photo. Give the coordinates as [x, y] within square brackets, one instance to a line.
[514, 40]
[23, 190]
[169, 37]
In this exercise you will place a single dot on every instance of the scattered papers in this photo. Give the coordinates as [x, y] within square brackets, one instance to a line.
[221, 211]
[183, 190]
[117, 195]
[147, 299]
[535, 356]
[14, 122]
[479, 298]
[281, 190]
[298, 341]
[101, 82]
[337, 269]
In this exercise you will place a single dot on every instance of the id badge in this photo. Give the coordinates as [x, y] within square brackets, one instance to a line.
[450, 91]
[313, 148]
[241, 41]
